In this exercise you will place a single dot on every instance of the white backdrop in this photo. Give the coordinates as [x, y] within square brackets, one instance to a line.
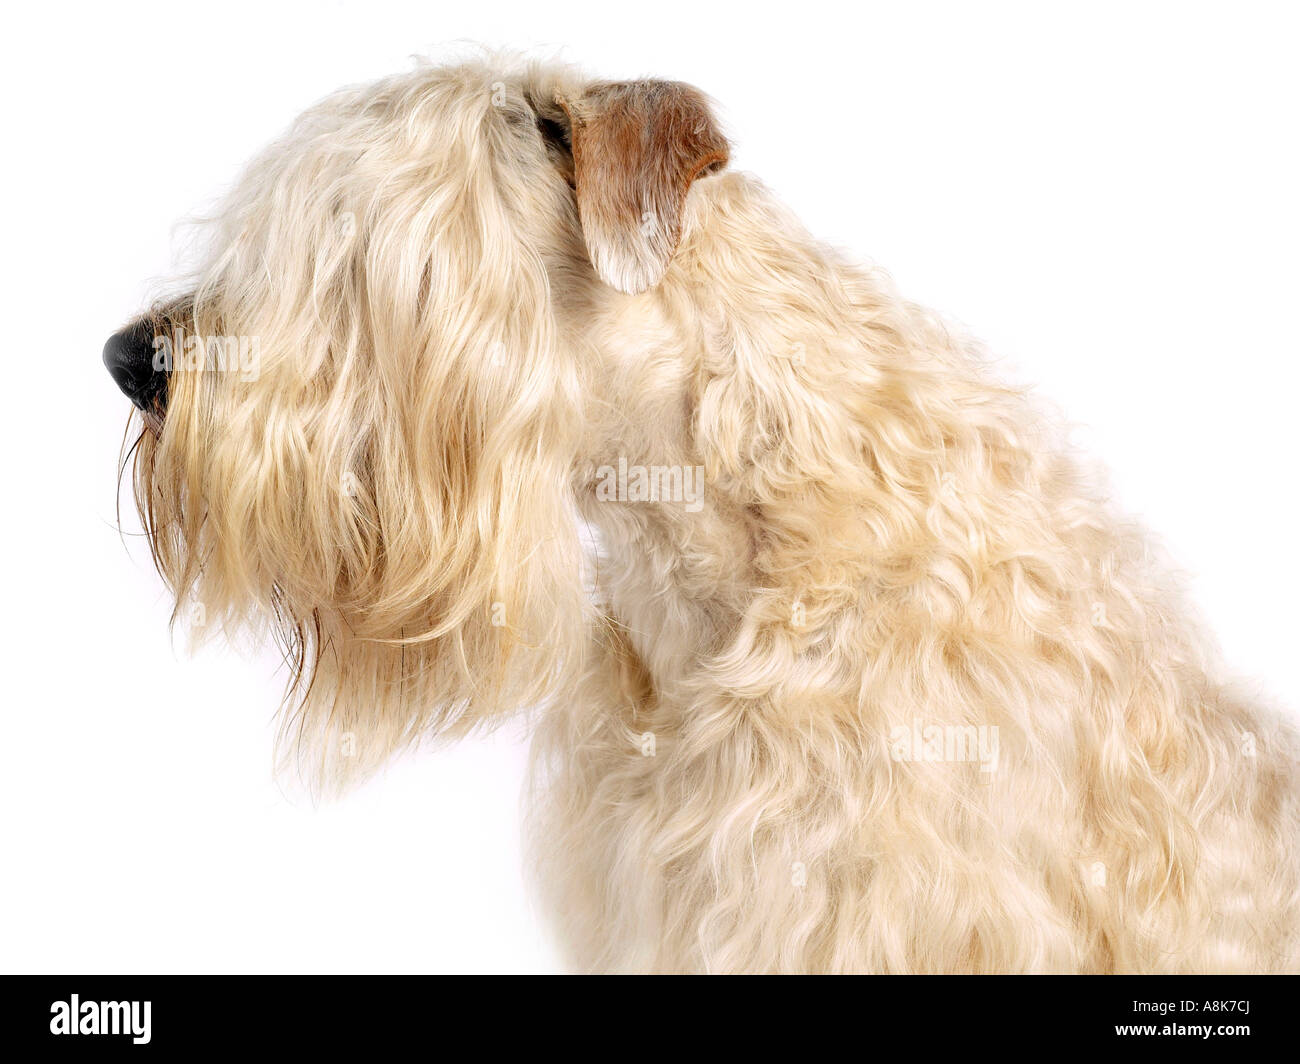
[1107, 196]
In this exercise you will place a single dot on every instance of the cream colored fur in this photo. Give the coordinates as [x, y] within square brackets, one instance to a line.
[888, 538]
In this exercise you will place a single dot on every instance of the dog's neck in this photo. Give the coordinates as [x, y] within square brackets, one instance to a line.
[815, 400]
[700, 410]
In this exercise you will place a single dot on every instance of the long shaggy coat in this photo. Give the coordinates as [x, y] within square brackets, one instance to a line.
[896, 690]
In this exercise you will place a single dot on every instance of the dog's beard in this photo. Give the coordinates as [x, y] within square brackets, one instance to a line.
[410, 594]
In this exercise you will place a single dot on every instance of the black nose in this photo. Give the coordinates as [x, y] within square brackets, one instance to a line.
[129, 356]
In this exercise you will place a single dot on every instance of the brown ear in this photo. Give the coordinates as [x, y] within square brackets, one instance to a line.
[637, 146]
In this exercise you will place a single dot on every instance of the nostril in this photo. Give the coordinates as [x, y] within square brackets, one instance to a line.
[128, 356]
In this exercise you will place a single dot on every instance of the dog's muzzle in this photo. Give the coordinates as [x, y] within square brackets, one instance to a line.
[129, 357]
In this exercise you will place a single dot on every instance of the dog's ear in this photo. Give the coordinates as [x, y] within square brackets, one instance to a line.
[637, 147]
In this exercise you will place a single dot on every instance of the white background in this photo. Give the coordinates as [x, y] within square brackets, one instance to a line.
[1108, 196]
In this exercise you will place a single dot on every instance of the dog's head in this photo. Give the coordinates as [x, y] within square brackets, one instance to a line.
[360, 419]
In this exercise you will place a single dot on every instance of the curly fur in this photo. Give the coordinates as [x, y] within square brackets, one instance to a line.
[889, 539]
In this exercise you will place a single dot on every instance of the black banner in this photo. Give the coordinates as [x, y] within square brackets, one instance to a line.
[162, 1014]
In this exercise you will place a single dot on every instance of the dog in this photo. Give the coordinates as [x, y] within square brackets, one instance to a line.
[498, 392]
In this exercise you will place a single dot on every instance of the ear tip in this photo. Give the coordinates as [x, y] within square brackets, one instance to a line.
[626, 267]
[628, 275]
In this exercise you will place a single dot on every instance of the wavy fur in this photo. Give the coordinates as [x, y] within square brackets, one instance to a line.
[889, 538]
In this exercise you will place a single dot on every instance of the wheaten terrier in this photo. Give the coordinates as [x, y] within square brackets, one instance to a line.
[498, 392]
